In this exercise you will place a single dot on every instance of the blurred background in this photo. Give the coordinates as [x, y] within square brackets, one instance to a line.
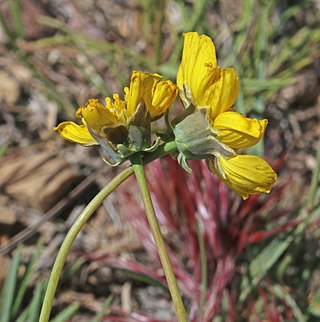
[254, 260]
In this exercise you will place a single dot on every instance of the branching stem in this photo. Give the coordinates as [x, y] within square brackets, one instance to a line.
[164, 149]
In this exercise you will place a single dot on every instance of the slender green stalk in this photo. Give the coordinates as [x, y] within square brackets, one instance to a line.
[158, 37]
[314, 182]
[138, 168]
[72, 234]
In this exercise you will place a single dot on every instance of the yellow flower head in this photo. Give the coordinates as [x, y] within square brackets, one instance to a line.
[206, 87]
[125, 122]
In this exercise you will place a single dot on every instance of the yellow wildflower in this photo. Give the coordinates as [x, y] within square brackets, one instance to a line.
[122, 126]
[206, 87]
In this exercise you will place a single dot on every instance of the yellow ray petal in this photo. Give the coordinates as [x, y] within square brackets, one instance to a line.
[198, 58]
[75, 133]
[96, 115]
[237, 131]
[245, 174]
[222, 93]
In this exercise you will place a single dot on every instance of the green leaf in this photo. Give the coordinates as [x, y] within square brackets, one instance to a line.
[283, 294]
[104, 307]
[314, 186]
[142, 278]
[32, 311]
[262, 263]
[36, 302]
[71, 270]
[9, 287]
[314, 306]
[15, 11]
[24, 315]
[268, 257]
[24, 283]
[67, 313]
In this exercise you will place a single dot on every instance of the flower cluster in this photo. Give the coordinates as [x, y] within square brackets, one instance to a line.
[122, 127]
[219, 131]
[208, 128]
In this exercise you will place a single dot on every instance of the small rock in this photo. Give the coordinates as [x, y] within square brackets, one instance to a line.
[9, 88]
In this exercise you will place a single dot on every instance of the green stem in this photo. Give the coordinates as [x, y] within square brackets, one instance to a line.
[158, 37]
[138, 168]
[72, 234]
[314, 182]
[163, 149]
